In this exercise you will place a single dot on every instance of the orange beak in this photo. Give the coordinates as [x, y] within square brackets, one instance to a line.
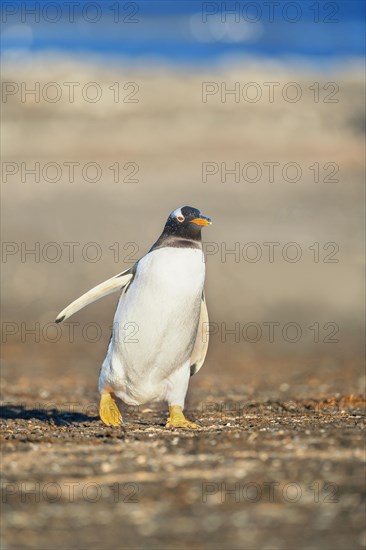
[202, 221]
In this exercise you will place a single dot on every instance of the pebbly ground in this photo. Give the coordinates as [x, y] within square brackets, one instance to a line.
[257, 474]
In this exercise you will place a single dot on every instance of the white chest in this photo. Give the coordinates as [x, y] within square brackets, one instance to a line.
[177, 270]
[163, 302]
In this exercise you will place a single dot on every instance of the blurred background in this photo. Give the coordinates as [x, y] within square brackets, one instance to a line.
[113, 115]
[116, 113]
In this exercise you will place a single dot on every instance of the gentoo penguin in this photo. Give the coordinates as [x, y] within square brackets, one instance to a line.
[159, 336]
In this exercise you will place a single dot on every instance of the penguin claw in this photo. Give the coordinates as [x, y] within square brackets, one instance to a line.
[178, 420]
[108, 410]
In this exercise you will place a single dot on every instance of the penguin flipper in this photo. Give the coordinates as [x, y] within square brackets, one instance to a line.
[201, 344]
[118, 282]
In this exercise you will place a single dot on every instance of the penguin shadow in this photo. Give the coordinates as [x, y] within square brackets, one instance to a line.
[57, 417]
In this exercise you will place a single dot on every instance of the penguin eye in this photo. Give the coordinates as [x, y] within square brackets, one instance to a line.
[180, 218]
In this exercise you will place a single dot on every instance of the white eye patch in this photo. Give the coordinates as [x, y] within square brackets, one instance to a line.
[178, 214]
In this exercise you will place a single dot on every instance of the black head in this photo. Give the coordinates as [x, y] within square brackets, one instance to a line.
[183, 228]
[186, 217]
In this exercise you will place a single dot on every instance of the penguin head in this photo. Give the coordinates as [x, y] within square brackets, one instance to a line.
[182, 229]
[187, 218]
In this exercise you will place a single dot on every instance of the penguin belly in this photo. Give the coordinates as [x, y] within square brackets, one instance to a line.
[155, 325]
